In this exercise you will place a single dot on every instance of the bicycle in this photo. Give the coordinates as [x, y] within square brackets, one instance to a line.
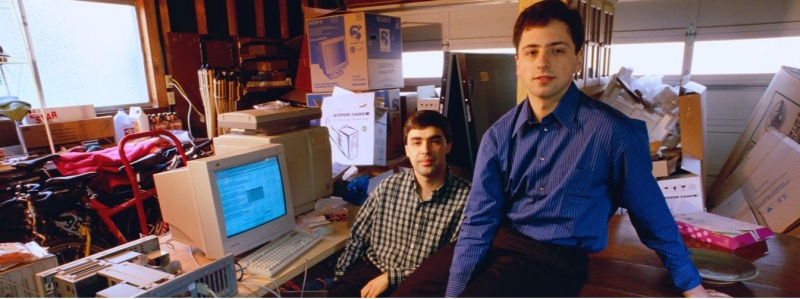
[54, 218]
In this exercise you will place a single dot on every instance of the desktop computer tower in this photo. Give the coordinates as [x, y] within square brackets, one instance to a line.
[308, 158]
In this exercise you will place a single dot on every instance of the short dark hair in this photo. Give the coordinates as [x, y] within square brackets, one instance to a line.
[427, 118]
[542, 13]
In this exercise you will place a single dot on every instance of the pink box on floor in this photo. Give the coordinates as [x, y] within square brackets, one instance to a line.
[723, 231]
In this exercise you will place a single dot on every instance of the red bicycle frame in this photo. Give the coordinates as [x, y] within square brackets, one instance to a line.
[106, 212]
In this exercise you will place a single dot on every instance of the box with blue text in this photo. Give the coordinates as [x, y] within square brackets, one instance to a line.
[357, 51]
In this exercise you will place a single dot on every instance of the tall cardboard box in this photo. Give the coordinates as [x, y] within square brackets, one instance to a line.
[357, 51]
[778, 108]
[766, 182]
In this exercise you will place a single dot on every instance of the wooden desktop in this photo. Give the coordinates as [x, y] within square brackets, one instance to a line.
[251, 286]
[627, 268]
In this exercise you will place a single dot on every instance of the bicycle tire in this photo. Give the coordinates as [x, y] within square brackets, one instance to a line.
[70, 249]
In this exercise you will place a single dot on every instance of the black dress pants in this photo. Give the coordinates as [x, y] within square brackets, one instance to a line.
[351, 283]
[515, 266]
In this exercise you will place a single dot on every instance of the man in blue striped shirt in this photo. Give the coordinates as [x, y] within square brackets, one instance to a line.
[549, 175]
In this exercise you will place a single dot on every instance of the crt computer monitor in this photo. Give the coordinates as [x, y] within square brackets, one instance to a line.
[229, 203]
[334, 56]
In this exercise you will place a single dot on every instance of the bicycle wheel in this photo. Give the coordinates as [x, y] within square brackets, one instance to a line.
[70, 249]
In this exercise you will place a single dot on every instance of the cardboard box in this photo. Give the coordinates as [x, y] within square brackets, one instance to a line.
[683, 192]
[722, 231]
[360, 132]
[69, 131]
[427, 98]
[390, 98]
[357, 51]
[315, 100]
[766, 181]
[778, 108]
[666, 165]
[408, 105]
[60, 114]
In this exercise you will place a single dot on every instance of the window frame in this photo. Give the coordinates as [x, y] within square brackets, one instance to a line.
[152, 55]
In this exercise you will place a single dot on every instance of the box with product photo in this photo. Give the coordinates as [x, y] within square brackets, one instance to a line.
[778, 108]
[720, 230]
[361, 132]
[357, 51]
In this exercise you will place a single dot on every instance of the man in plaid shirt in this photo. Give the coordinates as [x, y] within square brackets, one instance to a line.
[408, 217]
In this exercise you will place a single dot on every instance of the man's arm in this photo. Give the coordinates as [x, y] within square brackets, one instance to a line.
[481, 217]
[359, 234]
[640, 194]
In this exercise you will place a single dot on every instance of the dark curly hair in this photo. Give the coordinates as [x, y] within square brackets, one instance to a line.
[427, 118]
[542, 13]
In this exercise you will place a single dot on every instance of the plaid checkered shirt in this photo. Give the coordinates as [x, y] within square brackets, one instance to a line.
[396, 230]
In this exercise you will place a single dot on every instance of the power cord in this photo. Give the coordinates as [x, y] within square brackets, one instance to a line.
[189, 113]
[204, 289]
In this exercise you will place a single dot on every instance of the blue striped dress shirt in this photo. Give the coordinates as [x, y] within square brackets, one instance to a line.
[560, 180]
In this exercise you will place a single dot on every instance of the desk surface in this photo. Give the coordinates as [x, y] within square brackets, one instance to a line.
[250, 286]
[626, 268]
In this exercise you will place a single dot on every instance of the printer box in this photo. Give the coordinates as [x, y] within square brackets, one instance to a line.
[357, 51]
[361, 132]
[720, 230]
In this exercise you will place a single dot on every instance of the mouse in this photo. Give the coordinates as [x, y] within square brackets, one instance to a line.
[323, 230]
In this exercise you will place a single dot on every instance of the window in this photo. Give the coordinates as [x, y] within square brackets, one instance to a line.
[429, 64]
[745, 56]
[648, 59]
[87, 52]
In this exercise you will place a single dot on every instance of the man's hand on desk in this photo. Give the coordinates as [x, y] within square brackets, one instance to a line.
[376, 286]
[701, 292]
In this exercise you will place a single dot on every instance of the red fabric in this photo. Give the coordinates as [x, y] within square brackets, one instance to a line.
[106, 162]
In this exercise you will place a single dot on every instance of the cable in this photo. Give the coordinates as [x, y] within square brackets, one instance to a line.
[204, 289]
[191, 253]
[240, 269]
[189, 113]
[33, 293]
[305, 276]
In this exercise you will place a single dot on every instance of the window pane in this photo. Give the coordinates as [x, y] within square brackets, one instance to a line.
[648, 59]
[427, 64]
[747, 56]
[87, 53]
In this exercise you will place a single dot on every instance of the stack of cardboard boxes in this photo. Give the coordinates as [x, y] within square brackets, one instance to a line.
[682, 185]
[758, 184]
[357, 52]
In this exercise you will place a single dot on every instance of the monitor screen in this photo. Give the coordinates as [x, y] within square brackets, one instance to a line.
[251, 195]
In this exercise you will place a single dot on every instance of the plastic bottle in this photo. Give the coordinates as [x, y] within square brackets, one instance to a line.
[139, 119]
[122, 125]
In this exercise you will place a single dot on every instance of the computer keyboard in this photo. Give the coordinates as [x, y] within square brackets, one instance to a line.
[275, 255]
